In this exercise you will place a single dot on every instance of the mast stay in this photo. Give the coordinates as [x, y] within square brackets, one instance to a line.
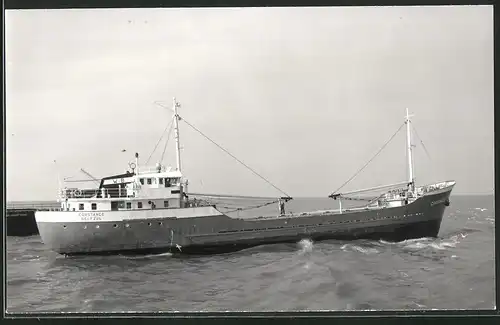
[335, 194]
[410, 183]
[242, 163]
[169, 125]
[213, 198]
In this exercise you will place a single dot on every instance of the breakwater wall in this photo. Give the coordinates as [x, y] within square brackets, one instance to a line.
[20, 219]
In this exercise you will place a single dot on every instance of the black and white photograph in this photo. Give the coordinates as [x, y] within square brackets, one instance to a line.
[249, 159]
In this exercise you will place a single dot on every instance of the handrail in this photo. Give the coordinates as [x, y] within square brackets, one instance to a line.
[333, 195]
[96, 193]
[150, 169]
[32, 205]
[197, 203]
[435, 186]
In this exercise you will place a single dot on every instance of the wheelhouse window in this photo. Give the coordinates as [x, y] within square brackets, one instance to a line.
[167, 182]
[160, 181]
[165, 204]
[94, 206]
[142, 181]
[80, 206]
[139, 205]
[129, 205]
[149, 181]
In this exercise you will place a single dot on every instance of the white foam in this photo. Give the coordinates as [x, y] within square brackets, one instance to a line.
[405, 275]
[366, 251]
[446, 244]
[306, 245]
[443, 245]
[416, 245]
[416, 240]
[167, 254]
[360, 249]
[437, 246]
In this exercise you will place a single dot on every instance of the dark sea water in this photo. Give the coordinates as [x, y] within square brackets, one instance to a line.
[454, 271]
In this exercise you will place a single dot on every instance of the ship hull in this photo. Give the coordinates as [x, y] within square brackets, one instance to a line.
[211, 232]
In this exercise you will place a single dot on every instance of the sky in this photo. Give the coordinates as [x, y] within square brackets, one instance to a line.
[304, 96]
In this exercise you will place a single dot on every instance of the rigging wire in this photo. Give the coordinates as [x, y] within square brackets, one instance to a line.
[156, 146]
[422, 142]
[166, 143]
[369, 161]
[252, 207]
[232, 196]
[234, 205]
[220, 147]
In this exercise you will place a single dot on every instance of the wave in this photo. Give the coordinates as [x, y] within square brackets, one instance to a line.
[449, 241]
[437, 244]
[405, 242]
[360, 249]
[143, 257]
[416, 245]
[27, 258]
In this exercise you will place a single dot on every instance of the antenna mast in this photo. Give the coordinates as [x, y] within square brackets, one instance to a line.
[411, 177]
[176, 125]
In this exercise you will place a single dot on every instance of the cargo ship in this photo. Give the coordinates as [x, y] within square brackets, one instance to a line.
[149, 210]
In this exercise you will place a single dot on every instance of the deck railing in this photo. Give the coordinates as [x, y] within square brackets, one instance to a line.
[191, 203]
[434, 187]
[95, 193]
[47, 205]
[149, 169]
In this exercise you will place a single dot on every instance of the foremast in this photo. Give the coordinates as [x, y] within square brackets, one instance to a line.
[176, 132]
[411, 172]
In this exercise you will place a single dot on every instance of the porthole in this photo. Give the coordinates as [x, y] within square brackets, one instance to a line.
[149, 224]
[64, 226]
[115, 226]
[97, 226]
[85, 227]
[127, 225]
[160, 223]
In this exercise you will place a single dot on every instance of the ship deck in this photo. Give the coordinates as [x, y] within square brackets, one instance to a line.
[313, 213]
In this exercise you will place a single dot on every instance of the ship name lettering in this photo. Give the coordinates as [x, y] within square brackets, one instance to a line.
[90, 218]
[87, 216]
[437, 202]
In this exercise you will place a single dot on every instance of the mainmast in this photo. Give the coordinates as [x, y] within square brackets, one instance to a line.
[411, 176]
[176, 125]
